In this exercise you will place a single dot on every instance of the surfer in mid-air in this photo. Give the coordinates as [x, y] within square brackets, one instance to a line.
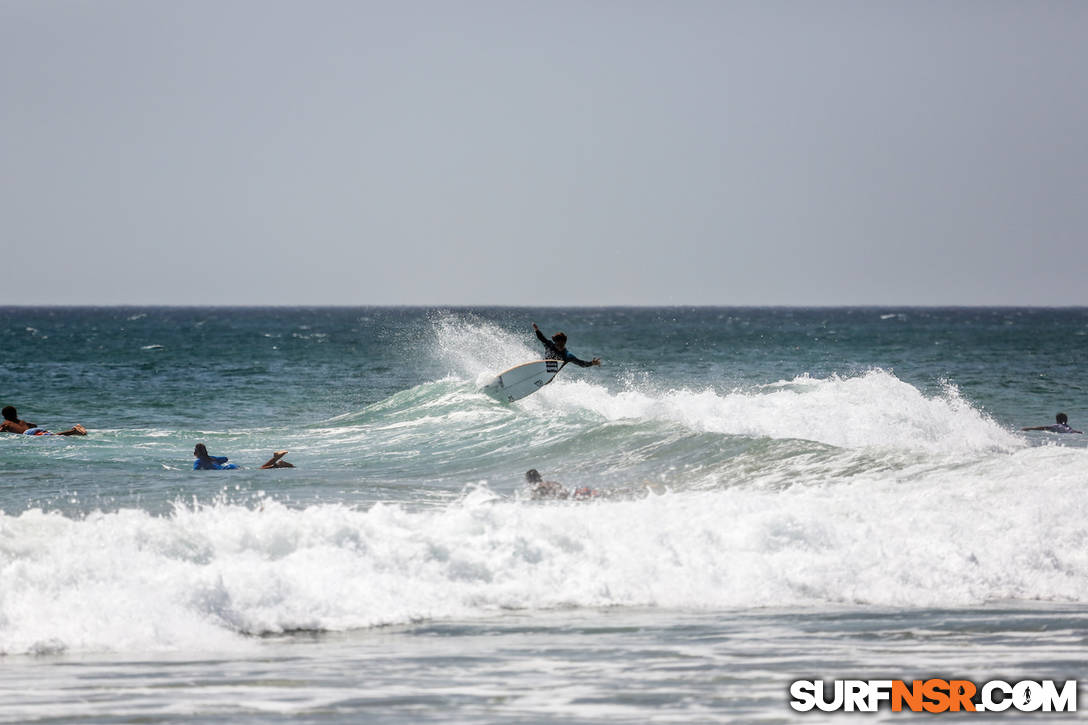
[556, 349]
[527, 378]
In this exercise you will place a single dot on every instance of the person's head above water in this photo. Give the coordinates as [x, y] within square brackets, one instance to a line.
[533, 476]
[201, 451]
[10, 413]
[1062, 418]
[560, 340]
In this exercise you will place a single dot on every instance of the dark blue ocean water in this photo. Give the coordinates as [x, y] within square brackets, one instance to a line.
[837, 490]
[131, 366]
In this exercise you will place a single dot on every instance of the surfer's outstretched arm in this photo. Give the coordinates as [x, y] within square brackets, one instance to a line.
[583, 363]
[556, 349]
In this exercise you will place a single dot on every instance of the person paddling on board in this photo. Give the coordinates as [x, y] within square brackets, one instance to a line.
[556, 349]
[1061, 425]
[205, 462]
[12, 424]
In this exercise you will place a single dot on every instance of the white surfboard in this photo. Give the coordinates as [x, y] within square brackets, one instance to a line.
[521, 380]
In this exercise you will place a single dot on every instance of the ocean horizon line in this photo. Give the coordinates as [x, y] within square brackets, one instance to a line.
[464, 306]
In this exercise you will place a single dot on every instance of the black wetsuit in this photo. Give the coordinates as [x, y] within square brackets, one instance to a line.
[551, 352]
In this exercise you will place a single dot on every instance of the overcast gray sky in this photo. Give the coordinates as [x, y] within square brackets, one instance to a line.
[543, 153]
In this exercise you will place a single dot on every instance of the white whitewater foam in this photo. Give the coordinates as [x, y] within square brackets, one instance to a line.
[875, 409]
[1009, 527]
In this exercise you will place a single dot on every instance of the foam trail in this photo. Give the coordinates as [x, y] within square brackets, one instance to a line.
[874, 409]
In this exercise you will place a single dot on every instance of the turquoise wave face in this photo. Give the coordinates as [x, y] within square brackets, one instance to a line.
[384, 404]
